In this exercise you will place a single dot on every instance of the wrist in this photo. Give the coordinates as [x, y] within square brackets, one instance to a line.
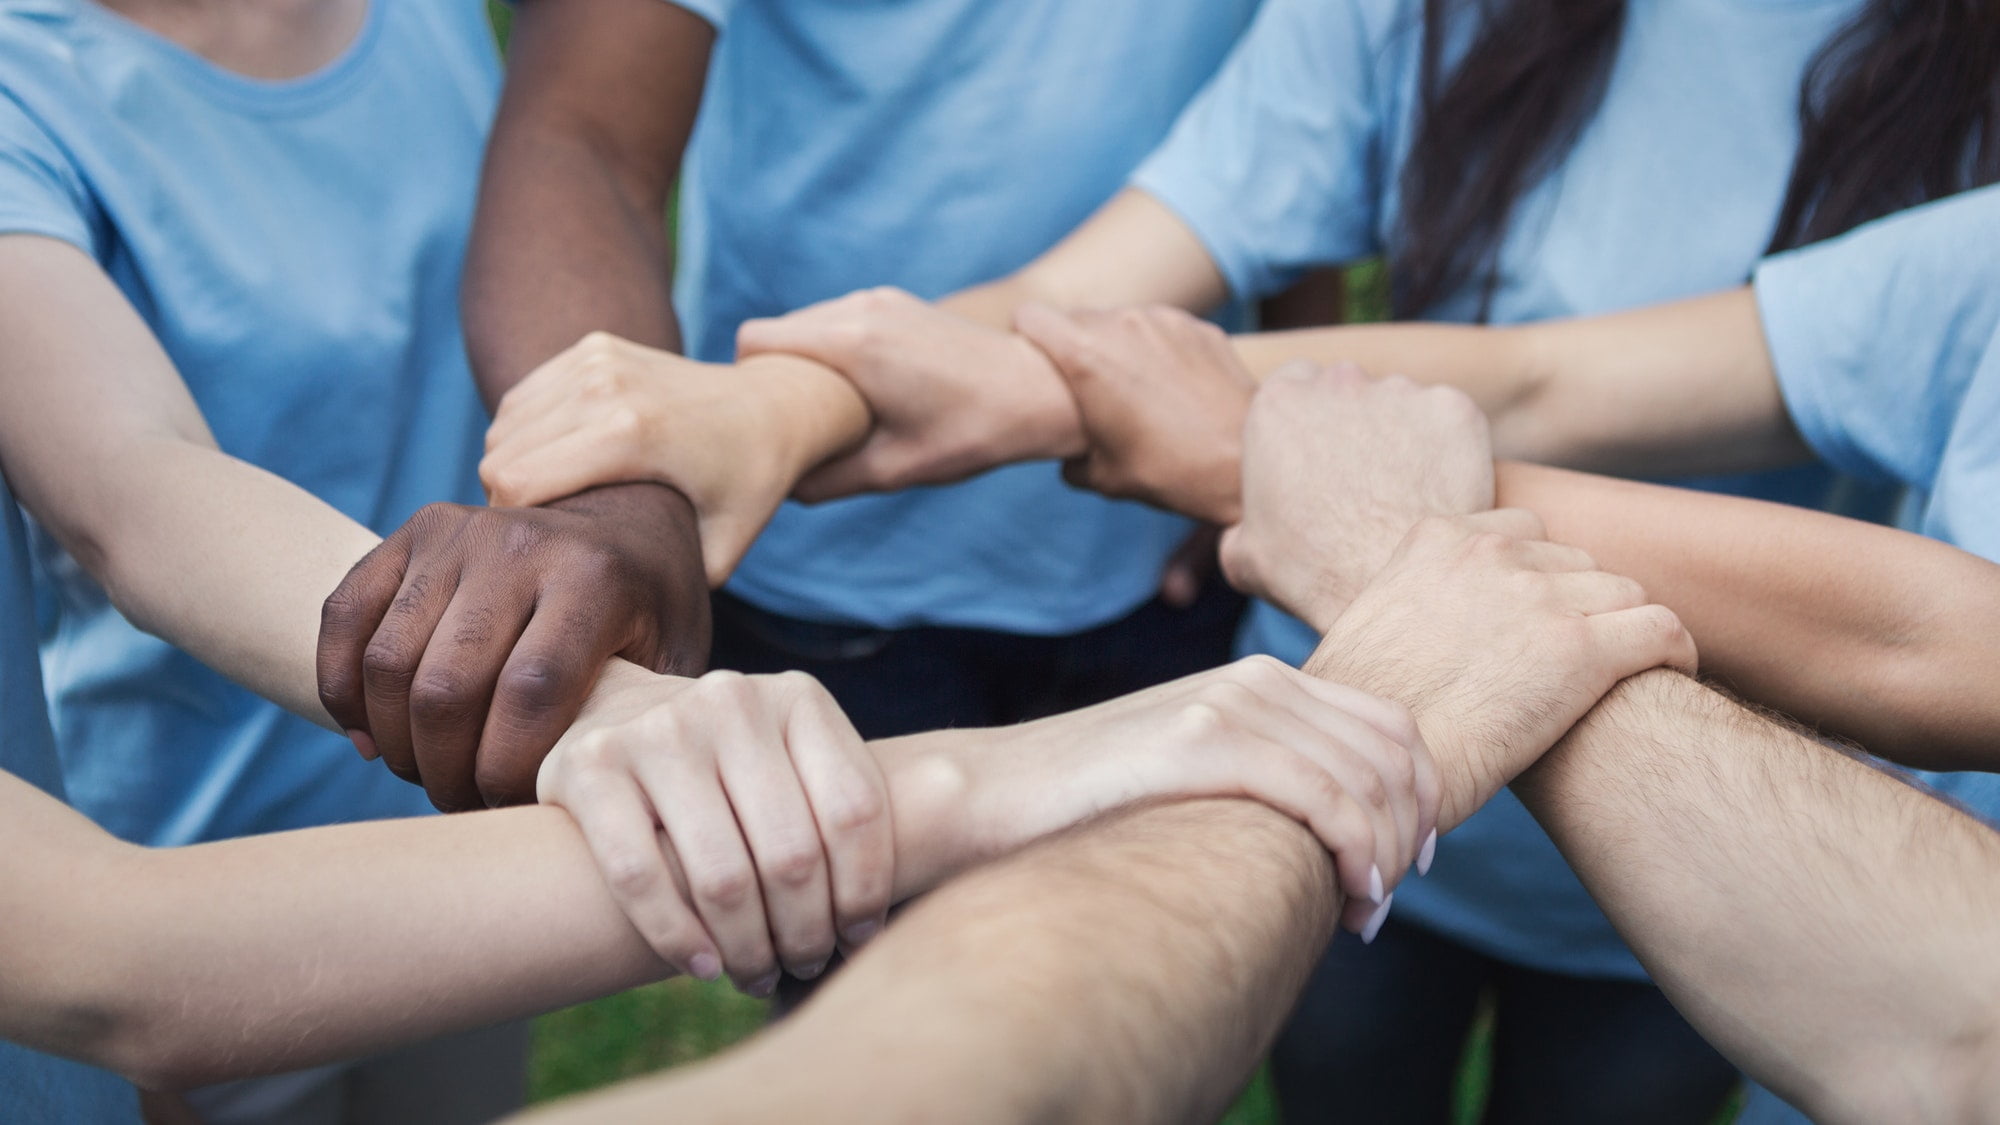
[803, 411]
[1458, 784]
[928, 783]
[1049, 427]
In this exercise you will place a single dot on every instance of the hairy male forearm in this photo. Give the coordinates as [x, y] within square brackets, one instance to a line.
[1827, 926]
[1133, 970]
[1878, 635]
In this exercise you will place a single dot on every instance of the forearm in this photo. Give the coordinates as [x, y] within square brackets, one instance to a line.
[1826, 926]
[184, 966]
[1675, 389]
[1878, 635]
[1110, 994]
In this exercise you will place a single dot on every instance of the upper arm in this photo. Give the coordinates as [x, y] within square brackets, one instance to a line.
[87, 386]
[620, 78]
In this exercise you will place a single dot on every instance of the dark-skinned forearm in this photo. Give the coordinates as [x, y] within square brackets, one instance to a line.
[1131, 971]
[571, 236]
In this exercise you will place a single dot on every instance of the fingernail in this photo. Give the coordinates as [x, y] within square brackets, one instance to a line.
[1375, 921]
[705, 966]
[812, 972]
[763, 986]
[364, 743]
[1427, 853]
[1374, 883]
[860, 932]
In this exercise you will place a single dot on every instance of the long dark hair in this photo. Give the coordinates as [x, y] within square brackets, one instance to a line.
[1899, 107]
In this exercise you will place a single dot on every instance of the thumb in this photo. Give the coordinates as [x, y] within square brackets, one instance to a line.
[1062, 338]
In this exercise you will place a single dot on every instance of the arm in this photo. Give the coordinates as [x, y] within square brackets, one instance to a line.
[1110, 995]
[1826, 926]
[1680, 388]
[1879, 635]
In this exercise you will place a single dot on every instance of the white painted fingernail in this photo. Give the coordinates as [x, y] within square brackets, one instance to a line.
[1375, 883]
[1427, 853]
[1375, 921]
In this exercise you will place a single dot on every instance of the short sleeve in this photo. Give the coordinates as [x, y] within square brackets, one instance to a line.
[1876, 335]
[1276, 164]
[716, 12]
[40, 190]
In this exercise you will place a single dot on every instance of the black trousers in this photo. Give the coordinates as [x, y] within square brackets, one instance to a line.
[1381, 1029]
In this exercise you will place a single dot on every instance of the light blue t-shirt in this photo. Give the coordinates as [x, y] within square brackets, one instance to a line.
[1887, 347]
[1293, 159]
[36, 1089]
[295, 246]
[932, 145]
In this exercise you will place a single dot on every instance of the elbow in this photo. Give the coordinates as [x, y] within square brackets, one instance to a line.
[1924, 713]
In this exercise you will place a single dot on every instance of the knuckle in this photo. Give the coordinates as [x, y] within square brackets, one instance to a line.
[853, 807]
[443, 696]
[725, 886]
[630, 872]
[794, 863]
[520, 538]
[1198, 721]
[1400, 723]
[533, 686]
[387, 661]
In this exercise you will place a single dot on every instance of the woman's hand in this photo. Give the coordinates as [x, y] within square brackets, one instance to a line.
[1163, 399]
[752, 792]
[1337, 467]
[951, 398]
[1346, 764]
[732, 439]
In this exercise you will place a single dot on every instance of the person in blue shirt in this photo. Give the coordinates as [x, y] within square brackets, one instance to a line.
[285, 208]
[828, 146]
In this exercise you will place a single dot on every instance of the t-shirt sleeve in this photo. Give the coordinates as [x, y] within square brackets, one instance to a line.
[1276, 164]
[716, 12]
[1875, 335]
[40, 191]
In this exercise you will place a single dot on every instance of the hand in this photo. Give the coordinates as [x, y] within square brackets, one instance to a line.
[951, 398]
[1349, 766]
[1162, 397]
[1337, 468]
[609, 411]
[1498, 641]
[460, 649]
[775, 819]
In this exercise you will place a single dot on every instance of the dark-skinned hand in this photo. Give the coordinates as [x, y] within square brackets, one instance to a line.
[463, 646]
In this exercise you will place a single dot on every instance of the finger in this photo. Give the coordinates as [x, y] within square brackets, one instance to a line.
[1375, 773]
[389, 664]
[1064, 339]
[454, 688]
[850, 803]
[544, 389]
[531, 431]
[1552, 558]
[850, 475]
[1594, 592]
[1631, 641]
[777, 824]
[687, 790]
[347, 622]
[618, 826]
[828, 332]
[583, 458]
[1190, 566]
[540, 690]
[1517, 523]
[1395, 723]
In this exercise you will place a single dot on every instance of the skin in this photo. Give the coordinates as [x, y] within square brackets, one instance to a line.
[765, 773]
[1165, 1012]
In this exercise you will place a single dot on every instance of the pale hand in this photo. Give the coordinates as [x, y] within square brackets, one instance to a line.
[1498, 641]
[951, 398]
[1337, 467]
[610, 411]
[1349, 766]
[1163, 398]
[754, 794]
